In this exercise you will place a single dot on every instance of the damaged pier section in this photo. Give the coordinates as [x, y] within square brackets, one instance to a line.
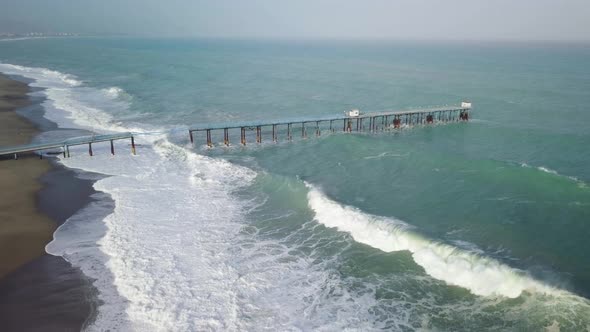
[349, 122]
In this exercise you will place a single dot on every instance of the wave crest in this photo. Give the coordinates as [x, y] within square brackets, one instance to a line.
[553, 172]
[480, 275]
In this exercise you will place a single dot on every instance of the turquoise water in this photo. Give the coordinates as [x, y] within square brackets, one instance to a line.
[508, 190]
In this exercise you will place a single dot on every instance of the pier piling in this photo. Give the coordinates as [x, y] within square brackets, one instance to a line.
[258, 134]
[209, 144]
[133, 145]
[274, 133]
[226, 136]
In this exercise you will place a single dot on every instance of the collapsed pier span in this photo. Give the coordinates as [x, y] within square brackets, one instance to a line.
[371, 122]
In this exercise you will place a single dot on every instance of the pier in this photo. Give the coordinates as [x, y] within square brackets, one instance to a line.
[67, 143]
[352, 121]
[349, 122]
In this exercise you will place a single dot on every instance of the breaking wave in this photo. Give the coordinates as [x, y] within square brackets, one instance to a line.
[480, 275]
[553, 172]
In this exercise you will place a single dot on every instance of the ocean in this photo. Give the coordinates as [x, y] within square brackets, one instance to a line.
[451, 227]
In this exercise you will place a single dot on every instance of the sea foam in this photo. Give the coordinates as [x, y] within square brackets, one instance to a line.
[71, 104]
[167, 243]
[167, 251]
[171, 253]
[161, 257]
[43, 77]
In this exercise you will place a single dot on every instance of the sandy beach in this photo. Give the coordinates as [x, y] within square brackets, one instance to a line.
[24, 231]
[38, 292]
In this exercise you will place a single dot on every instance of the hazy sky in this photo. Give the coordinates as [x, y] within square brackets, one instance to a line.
[343, 19]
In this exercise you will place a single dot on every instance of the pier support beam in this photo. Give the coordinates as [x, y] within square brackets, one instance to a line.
[68, 150]
[190, 134]
[289, 137]
[258, 134]
[317, 128]
[274, 133]
[112, 148]
[209, 143]
[303, 132]
[133, 145]
[90, 149]
[243, 136]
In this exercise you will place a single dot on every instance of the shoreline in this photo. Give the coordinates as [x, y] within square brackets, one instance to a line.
[38, 291]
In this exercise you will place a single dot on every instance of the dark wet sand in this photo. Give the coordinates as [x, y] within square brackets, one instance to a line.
[38, 292]
[23, 230]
